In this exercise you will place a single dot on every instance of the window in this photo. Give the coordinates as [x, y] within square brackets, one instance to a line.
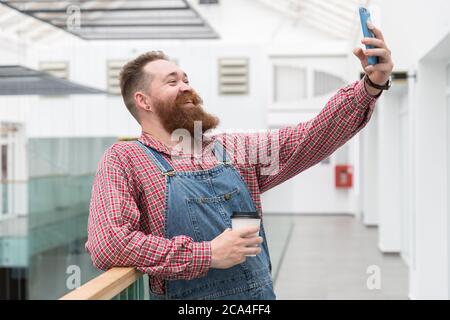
[4, 177]
[8, 170]
[290, 84]
[325, 83]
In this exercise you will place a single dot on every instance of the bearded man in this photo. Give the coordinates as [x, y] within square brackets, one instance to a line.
[163, 205]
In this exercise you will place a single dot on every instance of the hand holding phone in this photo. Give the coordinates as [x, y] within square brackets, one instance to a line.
[365, 16]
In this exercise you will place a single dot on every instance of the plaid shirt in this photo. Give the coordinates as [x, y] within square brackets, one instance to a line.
[126, 221]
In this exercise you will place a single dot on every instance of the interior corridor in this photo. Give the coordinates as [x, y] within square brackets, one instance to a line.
[327, 257]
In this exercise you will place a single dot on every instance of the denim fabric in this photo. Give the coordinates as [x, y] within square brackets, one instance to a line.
[199, 205]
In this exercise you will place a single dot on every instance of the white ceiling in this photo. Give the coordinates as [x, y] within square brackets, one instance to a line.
[334, 17]
[17, 25]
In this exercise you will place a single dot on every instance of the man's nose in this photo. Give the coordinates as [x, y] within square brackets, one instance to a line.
[185, 87]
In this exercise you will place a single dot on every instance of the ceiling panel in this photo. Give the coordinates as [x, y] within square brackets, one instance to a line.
[337, 18]
[113, 19]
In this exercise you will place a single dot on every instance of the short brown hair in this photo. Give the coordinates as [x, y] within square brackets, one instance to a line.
[133, 78]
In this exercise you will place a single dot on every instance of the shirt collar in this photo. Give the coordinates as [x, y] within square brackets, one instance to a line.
[154, 143]
[159, 146]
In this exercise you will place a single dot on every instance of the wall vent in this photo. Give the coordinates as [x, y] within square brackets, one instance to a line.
[58, 69]
[233, 76]
[114, 68]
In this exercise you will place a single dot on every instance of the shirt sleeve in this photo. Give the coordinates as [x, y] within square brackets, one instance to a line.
[114, 239]
[291, 150]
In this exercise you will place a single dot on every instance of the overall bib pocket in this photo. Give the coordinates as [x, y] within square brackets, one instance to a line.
[209, 216]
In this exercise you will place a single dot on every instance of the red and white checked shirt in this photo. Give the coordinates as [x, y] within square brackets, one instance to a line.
[126, 221]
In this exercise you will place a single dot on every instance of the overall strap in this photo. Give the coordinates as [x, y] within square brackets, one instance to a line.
[157, 159]
[220, 153]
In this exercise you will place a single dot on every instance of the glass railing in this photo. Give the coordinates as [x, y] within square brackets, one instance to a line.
[42, 236]
[134, 292]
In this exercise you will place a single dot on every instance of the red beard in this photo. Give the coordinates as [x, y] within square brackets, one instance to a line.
[176, 115]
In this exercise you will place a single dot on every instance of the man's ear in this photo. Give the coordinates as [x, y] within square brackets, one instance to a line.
[142, 101]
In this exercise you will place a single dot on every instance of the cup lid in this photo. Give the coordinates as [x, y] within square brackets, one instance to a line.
[245, 214]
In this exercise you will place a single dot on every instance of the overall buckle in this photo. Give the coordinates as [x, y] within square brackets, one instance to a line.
[170, 173]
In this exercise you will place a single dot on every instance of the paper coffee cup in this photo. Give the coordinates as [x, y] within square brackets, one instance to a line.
[246, 219]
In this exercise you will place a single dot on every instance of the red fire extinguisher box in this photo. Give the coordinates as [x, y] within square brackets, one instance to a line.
[344, 176]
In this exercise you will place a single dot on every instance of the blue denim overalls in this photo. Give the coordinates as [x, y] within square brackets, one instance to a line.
[199, 205]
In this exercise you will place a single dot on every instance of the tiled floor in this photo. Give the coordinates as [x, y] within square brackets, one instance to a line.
[327, 257]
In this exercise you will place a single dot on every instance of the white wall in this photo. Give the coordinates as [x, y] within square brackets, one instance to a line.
[406, 222]
[389, 173]
[431, 212]
[79, 115]
[370, 174]
[413, 27]
[13, 51]
[311, 192]
[448, 167]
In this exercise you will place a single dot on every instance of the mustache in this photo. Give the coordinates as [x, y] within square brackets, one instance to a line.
[173, 115]
[185, 97]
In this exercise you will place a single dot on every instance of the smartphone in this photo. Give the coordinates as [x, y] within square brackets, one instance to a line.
[365, 16]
